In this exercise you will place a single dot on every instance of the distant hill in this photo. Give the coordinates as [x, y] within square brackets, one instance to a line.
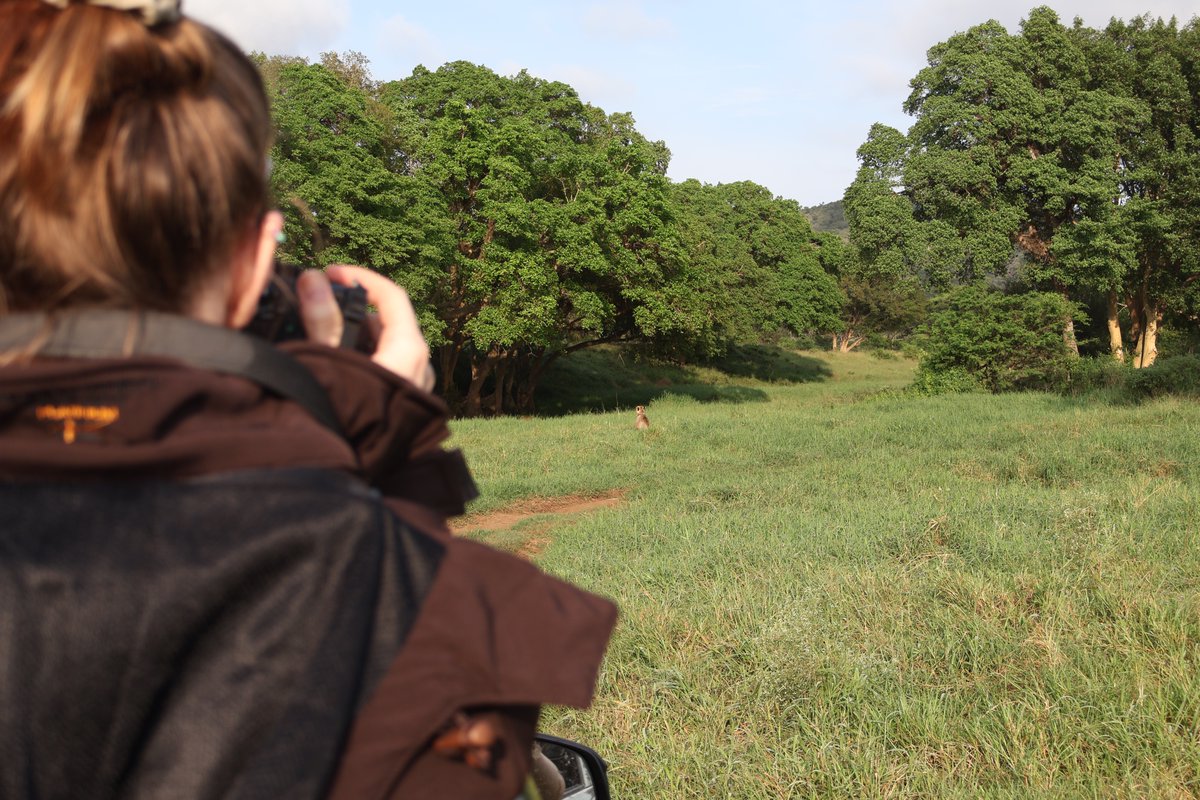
[828, 217]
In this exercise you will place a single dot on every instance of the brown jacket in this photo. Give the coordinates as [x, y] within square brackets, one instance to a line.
[490, 635]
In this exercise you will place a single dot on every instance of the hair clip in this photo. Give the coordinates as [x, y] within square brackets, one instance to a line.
[154, 12]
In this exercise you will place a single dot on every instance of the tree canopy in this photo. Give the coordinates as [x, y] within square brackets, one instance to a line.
[527, 224]
[1057, 158]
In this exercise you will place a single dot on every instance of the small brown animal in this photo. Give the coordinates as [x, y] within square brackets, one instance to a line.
[642, 422]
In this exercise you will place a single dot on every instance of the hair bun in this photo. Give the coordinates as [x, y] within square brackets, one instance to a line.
[154, 12]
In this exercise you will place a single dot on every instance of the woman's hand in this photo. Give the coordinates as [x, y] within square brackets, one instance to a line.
[318, 309]
[400, 347]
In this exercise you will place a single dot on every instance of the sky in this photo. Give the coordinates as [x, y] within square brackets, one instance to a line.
[779, 92]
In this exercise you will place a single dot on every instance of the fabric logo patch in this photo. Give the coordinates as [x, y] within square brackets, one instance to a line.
[76, 419]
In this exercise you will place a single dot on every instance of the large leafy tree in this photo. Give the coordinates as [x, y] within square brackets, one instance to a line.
[757, 262]
[1070, 148]
[966, 103]
[1014, 142]
[895, 259]
[1158, 194]
[558, 221]
[527, 224]
[333, 169]
[876, 306]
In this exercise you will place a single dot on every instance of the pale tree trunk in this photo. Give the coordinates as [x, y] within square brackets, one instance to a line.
[1115, 345]
[1147, 347]
[1137, 324]
[847, 340]
[1068, 335]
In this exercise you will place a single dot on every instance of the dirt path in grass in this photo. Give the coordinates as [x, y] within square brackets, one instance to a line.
[534, 539]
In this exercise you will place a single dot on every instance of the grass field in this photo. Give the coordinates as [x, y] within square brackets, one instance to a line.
[830, 589]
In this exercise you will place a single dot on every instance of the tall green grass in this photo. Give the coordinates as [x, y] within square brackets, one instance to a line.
[833, 590]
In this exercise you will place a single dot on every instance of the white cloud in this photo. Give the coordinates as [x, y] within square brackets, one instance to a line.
[406, 41]
[918, 25]
[891, 46]
[624, 19]
[294, 27]
[601, 89]
[510, 68]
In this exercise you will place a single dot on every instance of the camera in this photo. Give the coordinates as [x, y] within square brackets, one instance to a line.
[277, 318]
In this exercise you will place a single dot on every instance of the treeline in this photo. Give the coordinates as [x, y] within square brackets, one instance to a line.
[1044, 203]
[527, 224]
[1047, 195]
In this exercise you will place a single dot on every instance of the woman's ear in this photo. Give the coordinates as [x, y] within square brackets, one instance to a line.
[252, 271]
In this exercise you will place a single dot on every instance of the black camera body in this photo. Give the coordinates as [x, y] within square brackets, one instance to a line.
[278, 316]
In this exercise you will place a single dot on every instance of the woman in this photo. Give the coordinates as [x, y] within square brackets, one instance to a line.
[224, 571]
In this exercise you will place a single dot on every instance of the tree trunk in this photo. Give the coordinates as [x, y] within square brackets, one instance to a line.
[517, 368]
[845, 342]
[448, 362]
[1147, 347]
[1115, 345]
[480, 371]
[1068, 334]
[1148, 316]
[1135, 322]
[503, 373]
[524, 389]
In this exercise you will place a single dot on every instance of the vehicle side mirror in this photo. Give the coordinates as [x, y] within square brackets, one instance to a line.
[583, 770]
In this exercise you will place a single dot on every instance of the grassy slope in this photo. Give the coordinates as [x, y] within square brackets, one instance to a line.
[827, 592]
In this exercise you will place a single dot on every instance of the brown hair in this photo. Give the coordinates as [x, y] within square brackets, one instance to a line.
[132, 158]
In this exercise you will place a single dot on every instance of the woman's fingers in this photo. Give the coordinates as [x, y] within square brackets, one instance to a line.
[401, 348]
[318, 309]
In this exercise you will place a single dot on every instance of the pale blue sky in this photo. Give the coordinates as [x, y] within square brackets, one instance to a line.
[780, 93]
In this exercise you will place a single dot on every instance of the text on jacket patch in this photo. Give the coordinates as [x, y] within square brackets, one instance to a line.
[78, 418]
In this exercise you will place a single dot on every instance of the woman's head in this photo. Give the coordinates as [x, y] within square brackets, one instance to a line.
[132, 158]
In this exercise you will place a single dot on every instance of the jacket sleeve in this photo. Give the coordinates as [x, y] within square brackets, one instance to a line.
[496, 636]
[395, 429]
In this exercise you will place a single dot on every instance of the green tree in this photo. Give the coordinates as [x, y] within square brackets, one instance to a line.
[333, 173]
[1076, 147]
[1159, 175]
[1017, 143]
[558, 222]
[895, 260]
[889, 241]
[755, 259]
[1004, 341]
[877, 306]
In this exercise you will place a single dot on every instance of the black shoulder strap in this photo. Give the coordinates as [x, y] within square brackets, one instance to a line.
[107, 333]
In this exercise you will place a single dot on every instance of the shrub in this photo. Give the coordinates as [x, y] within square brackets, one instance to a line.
[910, 349]
[802, 341]
[1175, 340]
[1098, 374]
[1174, 375]
[954, 380]
[1003, 341]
